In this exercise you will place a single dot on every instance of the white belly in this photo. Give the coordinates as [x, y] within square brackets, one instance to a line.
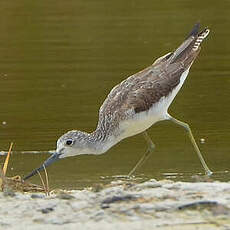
[159, 111]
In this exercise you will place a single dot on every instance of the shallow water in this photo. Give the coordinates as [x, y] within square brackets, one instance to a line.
[58, 61]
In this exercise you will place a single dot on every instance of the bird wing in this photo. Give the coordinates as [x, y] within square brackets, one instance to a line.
[152, 87]
[140, 91]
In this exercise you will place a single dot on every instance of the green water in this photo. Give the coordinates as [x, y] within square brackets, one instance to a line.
[59, 60]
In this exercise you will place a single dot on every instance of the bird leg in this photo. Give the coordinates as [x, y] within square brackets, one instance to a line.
[150, 149]
[189, 131]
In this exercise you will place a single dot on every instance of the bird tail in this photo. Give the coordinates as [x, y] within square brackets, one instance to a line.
[191, 45]
[201, 36]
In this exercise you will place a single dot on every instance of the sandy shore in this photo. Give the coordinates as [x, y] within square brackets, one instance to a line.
[149, 205]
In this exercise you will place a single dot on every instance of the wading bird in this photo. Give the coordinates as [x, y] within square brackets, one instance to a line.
[135, 105]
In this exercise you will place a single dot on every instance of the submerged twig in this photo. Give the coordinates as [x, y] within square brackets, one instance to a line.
[15, 183]
[4, 169]
[43, 184]
[47, 180]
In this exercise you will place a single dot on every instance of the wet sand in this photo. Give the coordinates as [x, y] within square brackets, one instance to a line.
[121, 205]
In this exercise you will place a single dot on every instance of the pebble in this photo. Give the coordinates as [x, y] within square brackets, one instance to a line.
[79, 205]
[65, 196]
[38, 196]
[9, 193]
[114, 199]
[46, 210]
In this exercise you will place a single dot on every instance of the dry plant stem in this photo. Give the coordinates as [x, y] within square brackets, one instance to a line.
[43, 184]
[47, 181]
[1, 180]
[4, 169]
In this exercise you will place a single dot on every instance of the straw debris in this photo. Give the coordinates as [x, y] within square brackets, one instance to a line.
[15, 183]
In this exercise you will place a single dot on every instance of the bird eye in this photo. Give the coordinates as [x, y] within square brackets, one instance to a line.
[69, 142]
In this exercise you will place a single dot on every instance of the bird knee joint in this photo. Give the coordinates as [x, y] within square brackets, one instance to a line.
[186, 126]
[152, 146]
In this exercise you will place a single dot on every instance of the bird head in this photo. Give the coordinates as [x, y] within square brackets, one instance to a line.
[72, 143]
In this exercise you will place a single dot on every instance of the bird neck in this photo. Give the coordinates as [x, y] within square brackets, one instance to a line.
[102, 142]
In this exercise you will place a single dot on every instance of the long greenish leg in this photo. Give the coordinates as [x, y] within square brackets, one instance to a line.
[150, 149]
[189, 131]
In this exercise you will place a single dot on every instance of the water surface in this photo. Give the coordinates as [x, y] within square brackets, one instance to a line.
[59, 60]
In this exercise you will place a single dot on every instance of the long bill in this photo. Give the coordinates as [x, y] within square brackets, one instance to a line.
[49, 161]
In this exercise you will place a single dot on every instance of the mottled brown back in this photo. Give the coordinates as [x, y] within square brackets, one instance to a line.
[141, 90]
